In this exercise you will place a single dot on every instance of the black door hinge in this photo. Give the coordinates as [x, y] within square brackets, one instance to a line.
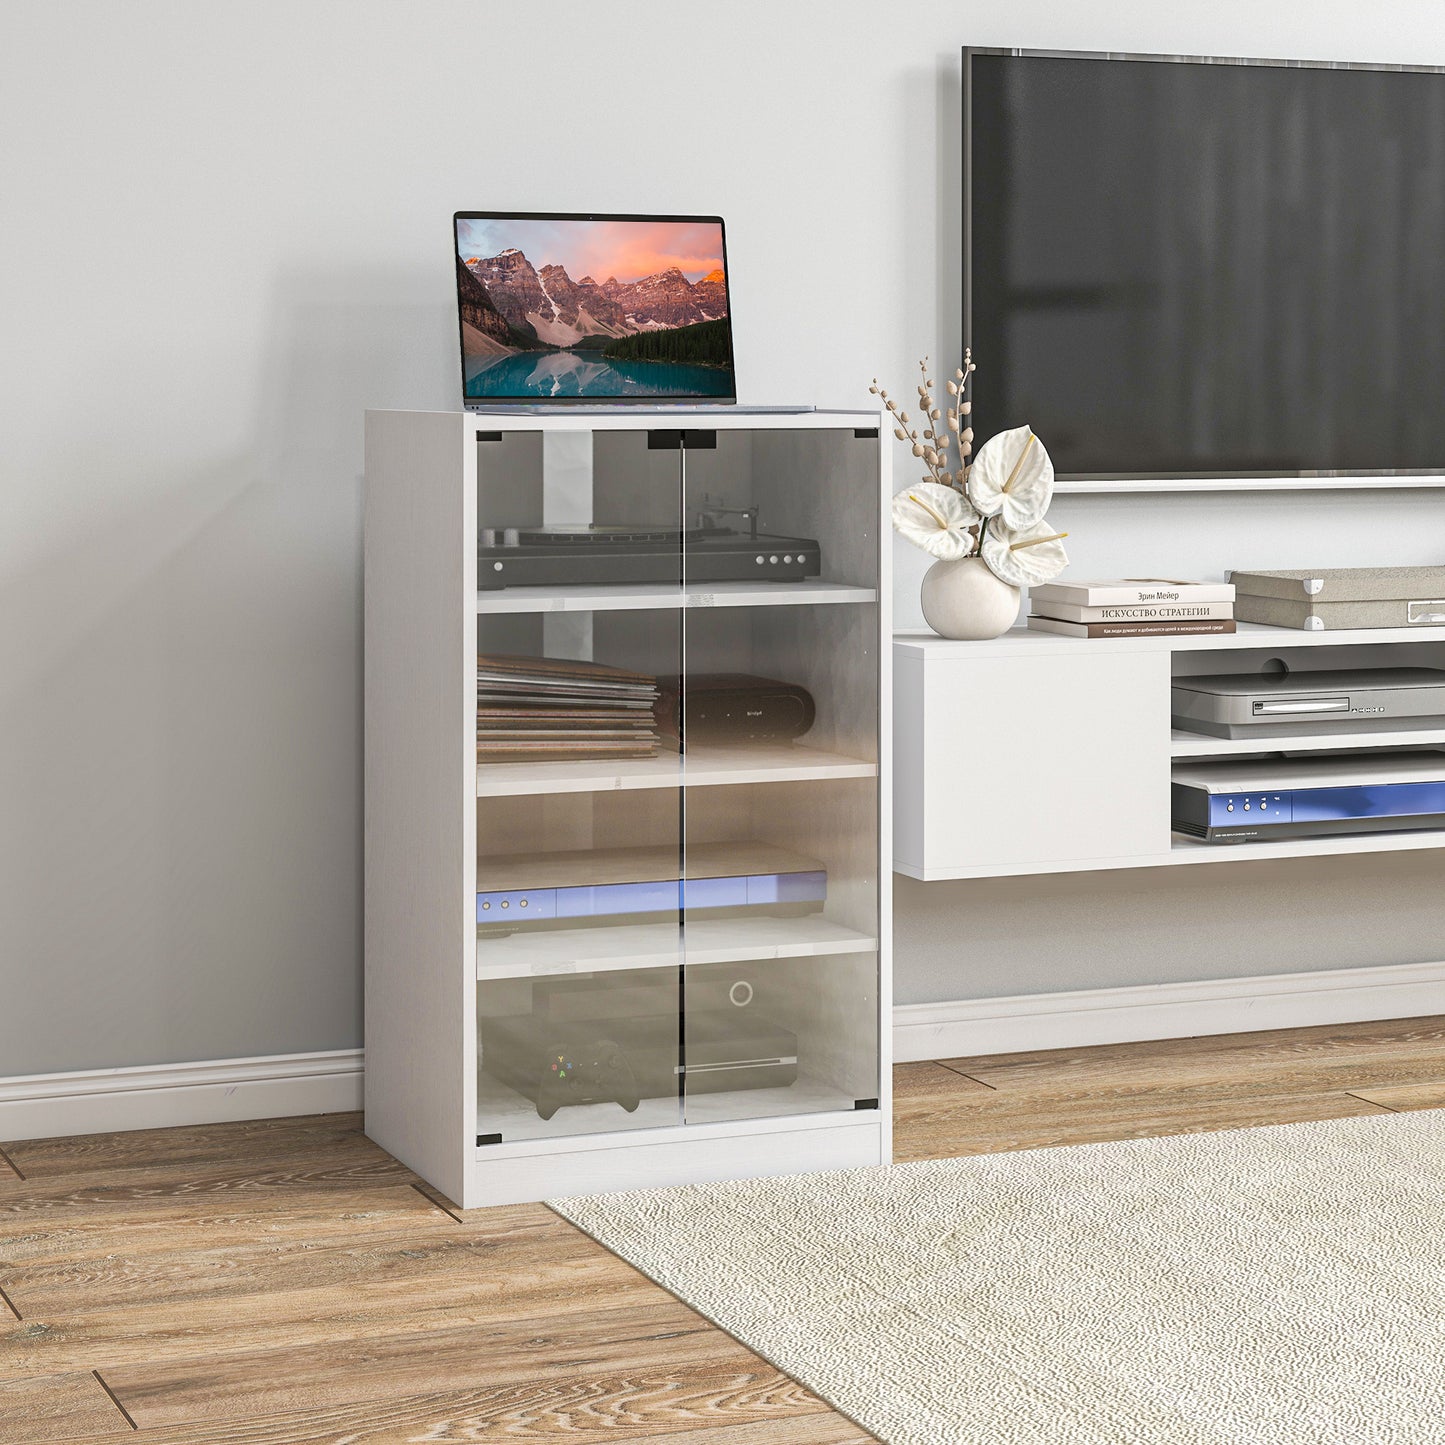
[693, 440]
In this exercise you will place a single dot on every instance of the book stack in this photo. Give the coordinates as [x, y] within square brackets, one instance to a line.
[1132, 607]
[532, 709]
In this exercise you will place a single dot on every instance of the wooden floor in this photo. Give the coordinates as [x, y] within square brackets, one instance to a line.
[287, 1283]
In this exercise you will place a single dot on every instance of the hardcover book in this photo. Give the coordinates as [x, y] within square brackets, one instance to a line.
[1131, 591]
[1142, 612]
[1130, 629]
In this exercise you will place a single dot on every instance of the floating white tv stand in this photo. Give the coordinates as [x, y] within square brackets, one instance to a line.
[435, 982]
[1037, 753]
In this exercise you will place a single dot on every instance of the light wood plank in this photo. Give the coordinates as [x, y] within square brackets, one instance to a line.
[934, 1081]
[58, 1407]
[416, 1255]
[657, 1339]
[575, 1279]
[343, 1169]
[1405, 1096]
[703, 1405]
[1273, 1062]
[212, 1223]
[202, 1144]
[84, 1234]
[106, 1338]
[430, 1260]
[938, 1129]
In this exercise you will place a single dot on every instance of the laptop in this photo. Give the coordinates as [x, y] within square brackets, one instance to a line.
[590, 312]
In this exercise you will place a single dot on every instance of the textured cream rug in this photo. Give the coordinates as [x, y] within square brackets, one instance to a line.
[1270, 1286]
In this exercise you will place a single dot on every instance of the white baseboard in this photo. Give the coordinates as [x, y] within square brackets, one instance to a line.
[103, 1101]
[1166, 1011]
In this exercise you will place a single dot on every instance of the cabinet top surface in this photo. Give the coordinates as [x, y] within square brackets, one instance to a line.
[642, 418]
[1024, 641]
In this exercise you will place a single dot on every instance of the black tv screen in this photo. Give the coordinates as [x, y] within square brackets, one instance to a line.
[1206, 268]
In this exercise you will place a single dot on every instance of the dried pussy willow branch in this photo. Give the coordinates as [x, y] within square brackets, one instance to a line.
[931, 446]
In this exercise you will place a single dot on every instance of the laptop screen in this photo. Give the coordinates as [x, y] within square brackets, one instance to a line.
[593, 308]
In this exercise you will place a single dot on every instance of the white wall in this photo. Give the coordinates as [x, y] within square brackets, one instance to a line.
[224, 234]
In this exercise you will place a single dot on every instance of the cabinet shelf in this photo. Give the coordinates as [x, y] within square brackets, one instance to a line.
[1385, 734]
[700, 767]
[665, 945]
[663, 595]
[1025, 642]
[1191, 850]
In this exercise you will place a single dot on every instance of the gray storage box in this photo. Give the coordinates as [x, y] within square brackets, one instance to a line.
[1341, 598]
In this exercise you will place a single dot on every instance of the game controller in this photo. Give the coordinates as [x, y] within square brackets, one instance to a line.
[595, 1073]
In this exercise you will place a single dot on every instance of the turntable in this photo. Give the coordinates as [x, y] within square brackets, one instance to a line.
[607, 555]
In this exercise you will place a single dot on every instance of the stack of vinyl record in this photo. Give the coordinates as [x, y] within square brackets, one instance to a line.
[531, 709]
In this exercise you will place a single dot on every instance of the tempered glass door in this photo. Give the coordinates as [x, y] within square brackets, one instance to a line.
[579, 793]
[779, 706]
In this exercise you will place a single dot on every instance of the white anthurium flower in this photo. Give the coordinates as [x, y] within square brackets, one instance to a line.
[1012, 477]
[936, 518]
[1024, 556]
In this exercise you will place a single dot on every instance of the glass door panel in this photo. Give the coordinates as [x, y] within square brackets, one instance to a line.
[579, 798]
[779, 703]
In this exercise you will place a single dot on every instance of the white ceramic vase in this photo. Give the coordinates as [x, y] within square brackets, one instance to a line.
[964, 601]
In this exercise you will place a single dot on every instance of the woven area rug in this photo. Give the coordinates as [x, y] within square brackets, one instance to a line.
[1275, 1286]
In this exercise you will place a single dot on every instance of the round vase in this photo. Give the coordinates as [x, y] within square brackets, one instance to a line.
[964, 601]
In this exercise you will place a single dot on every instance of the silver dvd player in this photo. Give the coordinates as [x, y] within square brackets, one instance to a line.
[1232, 705]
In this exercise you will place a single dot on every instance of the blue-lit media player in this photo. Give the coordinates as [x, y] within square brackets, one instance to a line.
[1258, 801]
[646, 883]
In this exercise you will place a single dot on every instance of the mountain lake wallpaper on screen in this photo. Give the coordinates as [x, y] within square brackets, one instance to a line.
[579, 308]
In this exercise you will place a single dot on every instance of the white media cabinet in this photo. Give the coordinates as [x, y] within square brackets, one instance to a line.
[1038, 753]
[435, 982]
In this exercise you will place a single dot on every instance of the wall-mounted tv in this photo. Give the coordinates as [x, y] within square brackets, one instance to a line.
[1188, 267]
